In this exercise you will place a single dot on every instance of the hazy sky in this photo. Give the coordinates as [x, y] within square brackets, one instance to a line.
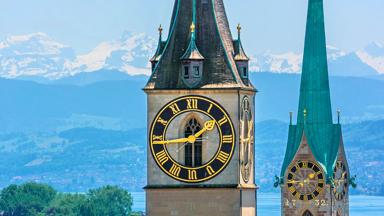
[275, 25]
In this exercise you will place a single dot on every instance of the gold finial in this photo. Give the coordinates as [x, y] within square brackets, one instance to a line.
[239, 28]
[193, 27]
[160, 29]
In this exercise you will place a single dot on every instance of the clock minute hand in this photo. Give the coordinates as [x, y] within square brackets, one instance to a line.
[174, 141]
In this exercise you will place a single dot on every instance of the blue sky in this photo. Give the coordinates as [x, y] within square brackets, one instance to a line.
[275, 25]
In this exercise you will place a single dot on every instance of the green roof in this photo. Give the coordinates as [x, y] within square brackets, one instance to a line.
[315, 112]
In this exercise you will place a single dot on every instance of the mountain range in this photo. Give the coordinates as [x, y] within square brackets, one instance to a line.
[78, 121]
[39, 55]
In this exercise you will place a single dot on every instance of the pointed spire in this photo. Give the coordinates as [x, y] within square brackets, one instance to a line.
[238, 31]
[239, 51]
[210, 40]
[160, 32]
[192, 52]
[160, 48]
[314, 91]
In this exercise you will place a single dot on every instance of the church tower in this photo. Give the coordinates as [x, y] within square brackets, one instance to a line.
[201, 108]
[315, 173]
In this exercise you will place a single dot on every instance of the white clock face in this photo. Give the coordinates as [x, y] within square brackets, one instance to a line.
[246, 139]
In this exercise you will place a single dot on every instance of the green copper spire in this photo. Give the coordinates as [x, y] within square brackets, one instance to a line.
[314, 91]
[314, 119]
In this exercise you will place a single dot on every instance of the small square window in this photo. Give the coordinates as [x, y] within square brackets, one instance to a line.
[196, 71]
[186, 72]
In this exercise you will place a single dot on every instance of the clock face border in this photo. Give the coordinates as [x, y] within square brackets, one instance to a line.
[224, 154]
[320, 185]
[340, 195]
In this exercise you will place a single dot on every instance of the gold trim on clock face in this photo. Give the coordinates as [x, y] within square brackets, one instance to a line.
[305, 180]
[218, 119]
[340, 176]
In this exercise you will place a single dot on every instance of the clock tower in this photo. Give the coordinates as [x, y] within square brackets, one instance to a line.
[315, 174]
[200, 118]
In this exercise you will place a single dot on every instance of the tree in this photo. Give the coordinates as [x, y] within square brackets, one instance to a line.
[25, 200]
[108, 201]
[66, 205]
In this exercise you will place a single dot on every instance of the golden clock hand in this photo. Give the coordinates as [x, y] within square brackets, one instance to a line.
[208, 126]
[293, 182]
[182, 140]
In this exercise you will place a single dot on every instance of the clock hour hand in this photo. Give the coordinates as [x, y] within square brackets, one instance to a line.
[174, 141]
[208, 126]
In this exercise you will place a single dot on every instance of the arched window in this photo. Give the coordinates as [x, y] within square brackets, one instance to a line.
[307, 213]
[193, 151]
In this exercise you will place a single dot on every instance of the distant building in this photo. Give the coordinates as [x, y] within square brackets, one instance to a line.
[315, 174]
[200, 118]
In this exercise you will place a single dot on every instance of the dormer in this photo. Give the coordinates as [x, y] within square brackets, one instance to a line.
[241, 59]
[192, 62]
[160, 48]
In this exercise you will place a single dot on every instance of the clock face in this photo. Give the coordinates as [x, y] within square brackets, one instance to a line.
[305, 180]
[340, 177]
[192, 139]
[246, 139]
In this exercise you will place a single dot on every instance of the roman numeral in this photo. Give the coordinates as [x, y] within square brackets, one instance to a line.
[223, 157]
[162, 121]
[223, 121]
[305, 165]
[175, 108]
[162, 157]
[210, 108]
[227, 139]
[157, 138]
[175, 170]
[210, 170]
[192, 104]
[192, 175]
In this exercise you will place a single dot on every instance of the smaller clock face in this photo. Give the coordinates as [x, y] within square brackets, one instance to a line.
[246, 139]
[305, 180]
[340, 177]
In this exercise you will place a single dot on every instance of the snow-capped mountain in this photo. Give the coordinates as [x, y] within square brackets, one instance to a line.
[38, 55]
[278, 63]
[373, 55]
[34, 55]
[368, 62]
[129, 54]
